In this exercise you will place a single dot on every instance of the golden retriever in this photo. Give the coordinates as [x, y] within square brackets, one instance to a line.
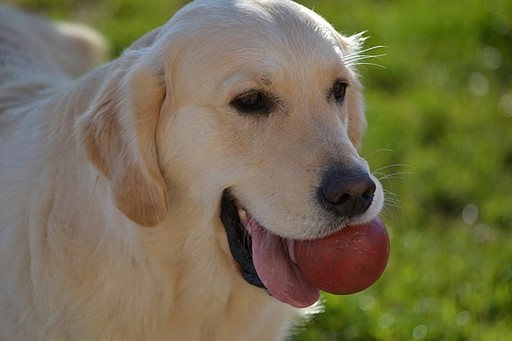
[125, 193]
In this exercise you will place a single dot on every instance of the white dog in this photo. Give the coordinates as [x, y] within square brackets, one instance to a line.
[127, 195]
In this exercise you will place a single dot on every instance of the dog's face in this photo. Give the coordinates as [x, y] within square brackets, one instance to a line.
[259, 114]
[274, 113]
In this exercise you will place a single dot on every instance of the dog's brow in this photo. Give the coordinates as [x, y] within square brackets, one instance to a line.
[266, 81]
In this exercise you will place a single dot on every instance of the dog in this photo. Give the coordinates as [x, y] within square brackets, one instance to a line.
[126, 189]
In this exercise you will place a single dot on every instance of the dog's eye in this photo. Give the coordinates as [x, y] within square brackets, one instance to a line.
[338, 91]
[252, 102]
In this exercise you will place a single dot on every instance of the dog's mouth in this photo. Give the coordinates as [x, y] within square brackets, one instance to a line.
[265, 259]
[293, 271]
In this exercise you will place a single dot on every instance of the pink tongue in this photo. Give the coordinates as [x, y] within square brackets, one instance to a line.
[275, 269]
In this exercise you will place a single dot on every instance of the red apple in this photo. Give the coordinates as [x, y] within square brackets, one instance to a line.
[347, 261]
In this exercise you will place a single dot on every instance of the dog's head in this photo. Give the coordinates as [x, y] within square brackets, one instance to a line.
[252, 107]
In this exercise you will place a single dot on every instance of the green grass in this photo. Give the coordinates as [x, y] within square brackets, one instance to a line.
[440, 138]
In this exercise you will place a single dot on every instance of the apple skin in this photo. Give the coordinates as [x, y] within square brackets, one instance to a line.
[347, 261]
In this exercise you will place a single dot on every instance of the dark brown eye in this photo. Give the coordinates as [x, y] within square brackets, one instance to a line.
[252, 102]
[338, 91]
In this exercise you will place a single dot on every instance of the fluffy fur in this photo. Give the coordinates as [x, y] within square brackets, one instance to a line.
[110, 184]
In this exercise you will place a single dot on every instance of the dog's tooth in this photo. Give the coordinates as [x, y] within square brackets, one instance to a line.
[242, 214]
[291, 251]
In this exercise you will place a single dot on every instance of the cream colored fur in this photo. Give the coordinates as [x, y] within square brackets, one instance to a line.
[110, 184]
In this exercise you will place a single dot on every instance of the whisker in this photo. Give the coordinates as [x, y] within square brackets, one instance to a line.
[390, 166]
[368, 49]
[392, 198]
[370, 64]
[357, 57]
[359, 53]
[359, 61]
[389, 150]
[392, 204]
[394, 175]
[245, 240]
[360, 57]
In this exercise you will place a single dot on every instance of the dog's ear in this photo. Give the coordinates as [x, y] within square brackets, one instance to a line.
[351, 47]
[118, 133]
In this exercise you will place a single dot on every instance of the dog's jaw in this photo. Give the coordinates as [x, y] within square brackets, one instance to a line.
[239, 240]
[264, 258]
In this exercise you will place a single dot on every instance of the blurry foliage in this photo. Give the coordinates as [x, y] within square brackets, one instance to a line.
[439, 138]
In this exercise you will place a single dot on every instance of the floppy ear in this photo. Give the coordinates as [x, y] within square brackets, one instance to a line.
[351, 47]
[118, 133]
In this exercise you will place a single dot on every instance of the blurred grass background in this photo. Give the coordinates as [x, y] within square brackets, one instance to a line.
[439, 108]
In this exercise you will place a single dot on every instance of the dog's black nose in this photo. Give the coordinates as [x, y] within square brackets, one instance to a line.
[347, 192]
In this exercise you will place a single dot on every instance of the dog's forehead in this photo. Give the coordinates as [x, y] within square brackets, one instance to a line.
[264, 36]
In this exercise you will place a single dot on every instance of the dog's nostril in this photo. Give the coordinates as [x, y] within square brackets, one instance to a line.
[370, 191]
[344, 198]
[347, 193]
